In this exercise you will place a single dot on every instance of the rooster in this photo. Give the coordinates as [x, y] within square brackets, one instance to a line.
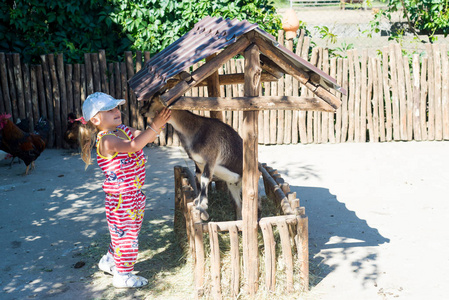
[26, 146]
[72, 132]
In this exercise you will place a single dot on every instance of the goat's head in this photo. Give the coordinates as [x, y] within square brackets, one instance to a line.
[150, 108]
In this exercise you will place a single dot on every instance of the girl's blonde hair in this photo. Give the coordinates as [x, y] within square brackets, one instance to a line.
[87, 137]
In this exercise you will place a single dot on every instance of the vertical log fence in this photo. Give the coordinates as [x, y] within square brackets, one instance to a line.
[391, 97]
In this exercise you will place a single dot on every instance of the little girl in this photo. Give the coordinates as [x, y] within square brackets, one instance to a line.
[121, 158]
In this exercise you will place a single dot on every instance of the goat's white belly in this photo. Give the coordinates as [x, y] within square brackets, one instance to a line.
[226, 175]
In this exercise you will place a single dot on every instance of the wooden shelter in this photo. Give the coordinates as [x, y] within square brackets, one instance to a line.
[218, 40]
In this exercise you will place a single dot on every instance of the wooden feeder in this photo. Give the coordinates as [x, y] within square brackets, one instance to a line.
[218, 40]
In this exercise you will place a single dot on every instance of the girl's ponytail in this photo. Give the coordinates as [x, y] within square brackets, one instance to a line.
[86, 137]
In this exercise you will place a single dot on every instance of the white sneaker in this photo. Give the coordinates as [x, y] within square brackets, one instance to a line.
[107, 265]
[128, 280]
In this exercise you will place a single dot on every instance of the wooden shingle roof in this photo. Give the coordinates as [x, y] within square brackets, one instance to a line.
[208, 37]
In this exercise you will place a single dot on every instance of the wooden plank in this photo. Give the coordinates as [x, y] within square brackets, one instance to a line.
[83, 84]
[368, 106]
[431, 93]
[251, 103]
[48, 98]
[339, 78]
[4, 84]
[380, 100]
[416, 97]
[273, 116]
[34, 93]
[111, 80]
[333, 73]
[437, 92]
[303, 251]
[445, 91]
[131, 96]
[395, 93]
[250, 172]
[310, 114]
[18, 78]
[103, 71]
[60, 70]
[12, 87]
[124, 92]
[373, 101]
[266, 117]
[27, 94]
[402, 93]
[69, 87]
[95, 60]
[387, 97]
[286, 253]
[364, 95]
[325, 116]
[423, 99]
[215, 261]
[235, 91]
[351, 91]
[235, 261]
[117, 81]
[89, 78]
[288, 116]
[41, 92]
[56, 100]
[409, 99]
[345, 102]
[77, 89]
[280, 92]
[270, 255]
[199, 258]
[358, 97]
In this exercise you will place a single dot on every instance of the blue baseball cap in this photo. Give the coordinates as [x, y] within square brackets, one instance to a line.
[99, 102]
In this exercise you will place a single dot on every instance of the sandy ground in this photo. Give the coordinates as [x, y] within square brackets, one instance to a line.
[377, 218]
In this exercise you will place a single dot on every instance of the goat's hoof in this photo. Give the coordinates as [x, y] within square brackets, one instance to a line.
[203, 213]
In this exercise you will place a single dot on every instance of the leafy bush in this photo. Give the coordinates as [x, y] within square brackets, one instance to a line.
[429, 17]
[74, 27]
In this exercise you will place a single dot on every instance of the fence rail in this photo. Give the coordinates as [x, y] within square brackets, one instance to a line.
[390, 97]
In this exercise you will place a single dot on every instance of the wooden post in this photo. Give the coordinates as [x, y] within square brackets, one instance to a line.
[250, 170]
[235, 261]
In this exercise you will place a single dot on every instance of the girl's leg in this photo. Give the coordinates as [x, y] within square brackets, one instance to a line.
[125, 214]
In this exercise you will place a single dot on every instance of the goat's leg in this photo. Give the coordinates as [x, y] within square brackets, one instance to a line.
[202, 201]
[236, 192]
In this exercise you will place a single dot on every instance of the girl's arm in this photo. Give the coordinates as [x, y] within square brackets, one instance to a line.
[111, 144]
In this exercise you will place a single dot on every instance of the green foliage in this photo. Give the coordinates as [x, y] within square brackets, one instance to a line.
[74, 27]
[155, 24]
[36, 27]
[326, 34]
[429, 17]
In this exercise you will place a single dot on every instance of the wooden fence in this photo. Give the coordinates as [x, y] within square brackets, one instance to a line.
[390, 97]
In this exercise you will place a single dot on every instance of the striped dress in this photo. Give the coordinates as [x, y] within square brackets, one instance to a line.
[125, 202]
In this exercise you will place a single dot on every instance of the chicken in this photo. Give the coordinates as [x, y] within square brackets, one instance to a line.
[72, 132]
[26, 146]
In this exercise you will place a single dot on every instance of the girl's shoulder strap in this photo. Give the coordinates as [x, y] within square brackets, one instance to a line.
[125, 129]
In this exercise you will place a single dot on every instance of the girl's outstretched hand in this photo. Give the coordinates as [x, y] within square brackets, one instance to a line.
[162, 117]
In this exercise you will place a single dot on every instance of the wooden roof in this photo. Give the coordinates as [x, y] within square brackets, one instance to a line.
[165, 71]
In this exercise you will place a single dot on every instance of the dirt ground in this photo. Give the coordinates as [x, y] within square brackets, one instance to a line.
[377, 222]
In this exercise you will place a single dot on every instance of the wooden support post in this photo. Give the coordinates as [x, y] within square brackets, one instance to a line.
[286, 253]
[235, 261]
[199, 253]
[250, 171]
[270, 255]
[215, 261]
[303, 250]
